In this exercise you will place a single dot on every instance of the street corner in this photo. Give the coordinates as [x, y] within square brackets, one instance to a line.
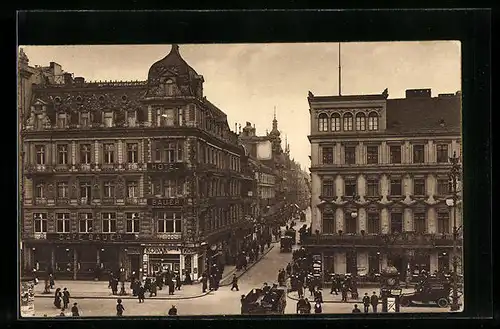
[227, 280]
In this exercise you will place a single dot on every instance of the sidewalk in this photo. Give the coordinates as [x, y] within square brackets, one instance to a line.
[100, 290]
[332, 298]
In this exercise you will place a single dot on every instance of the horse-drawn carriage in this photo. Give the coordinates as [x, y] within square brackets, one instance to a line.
[261, 302]
[286, 244]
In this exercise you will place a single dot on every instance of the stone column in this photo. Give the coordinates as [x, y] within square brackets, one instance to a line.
[362, 220]
[339, 220]
[181, 265]
[194, 265]
[383, 262]
[340, 262]
[362, 260]
[73, 153]
[407, 220]
[384, 221]
[433, 261]
[53, 258]
[431, 220]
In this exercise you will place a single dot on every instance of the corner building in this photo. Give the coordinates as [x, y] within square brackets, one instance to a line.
[380, 182]
[140, 175]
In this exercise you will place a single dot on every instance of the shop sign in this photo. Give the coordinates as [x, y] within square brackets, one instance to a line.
[161, 250]
[165, 202]
[90, 237]
[165, 166]
[133, 251]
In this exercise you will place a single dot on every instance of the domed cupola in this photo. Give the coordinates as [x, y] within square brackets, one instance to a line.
[172, 76]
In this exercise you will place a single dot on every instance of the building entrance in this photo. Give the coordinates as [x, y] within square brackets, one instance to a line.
[399, 263]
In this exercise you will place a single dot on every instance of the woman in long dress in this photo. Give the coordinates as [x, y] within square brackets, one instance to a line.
[58, 298]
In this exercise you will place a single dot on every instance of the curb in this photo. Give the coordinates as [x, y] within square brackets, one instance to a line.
[130, 297]
[330, 301]
[248, 268]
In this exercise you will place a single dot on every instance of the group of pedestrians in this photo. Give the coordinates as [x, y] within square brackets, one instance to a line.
[120, 309]
[344, 284]
[61, 301]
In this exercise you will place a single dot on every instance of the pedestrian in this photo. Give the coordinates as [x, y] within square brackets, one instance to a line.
[51, 281]
[58, 298]
[62, 313]
[300, 290]
[152, 290]
[171, 287]
[374, 302]
[74, 310]
[140, 293]
[318, 308]
[187, 279]
[204, 282]
[178, 282]
[344, 293]
[172, 311]
[334, 285]
[356, 309]
[308, 306]
[46, 289]
[119, 307]
[114, 286]
[65, 298]
[159, 280]
[235, 283]
[366, 302]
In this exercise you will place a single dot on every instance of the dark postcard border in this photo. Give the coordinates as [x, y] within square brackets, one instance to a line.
[472, 27]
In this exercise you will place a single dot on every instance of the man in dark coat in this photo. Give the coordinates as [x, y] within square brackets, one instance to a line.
[344, 293]
[235, 283]
[356, 309]
[119, 307]
[152, 289]
[140, 293]
[374, 302]
[65, 298]
[114, 286]
[178, 282]
[159, 280]
[74, 310]
[171, 287]
[366, 302]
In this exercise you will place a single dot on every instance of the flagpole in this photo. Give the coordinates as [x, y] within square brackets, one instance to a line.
[340, 75]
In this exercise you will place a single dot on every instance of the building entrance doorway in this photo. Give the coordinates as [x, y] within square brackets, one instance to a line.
[135, 263]
[399, 263]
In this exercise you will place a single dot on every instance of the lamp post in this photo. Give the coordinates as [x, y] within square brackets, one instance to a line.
[354, 215]
[454, 175]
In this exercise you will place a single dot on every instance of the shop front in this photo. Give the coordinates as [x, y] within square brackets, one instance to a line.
[174, 258]
[73, 256]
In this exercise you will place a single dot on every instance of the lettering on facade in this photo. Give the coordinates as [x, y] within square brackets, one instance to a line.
[165, 166]
[161, 250]
[165, 202]
[90, 237]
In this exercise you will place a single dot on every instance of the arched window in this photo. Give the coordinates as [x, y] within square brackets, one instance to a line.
[347, 122]
[336, 122]
[323, 122]
[360, 121]
[373, 121]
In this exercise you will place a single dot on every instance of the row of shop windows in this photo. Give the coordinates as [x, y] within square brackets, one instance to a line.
[372, 154]
[395, 223]
[166, 222]
[373, 187]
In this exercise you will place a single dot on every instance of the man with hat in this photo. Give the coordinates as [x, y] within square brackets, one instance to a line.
[74, 310]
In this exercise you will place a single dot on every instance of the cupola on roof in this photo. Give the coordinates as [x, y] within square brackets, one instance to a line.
[172, 62]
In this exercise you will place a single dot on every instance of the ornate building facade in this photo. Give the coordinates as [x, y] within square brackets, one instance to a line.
[144, 175]
[380, 181]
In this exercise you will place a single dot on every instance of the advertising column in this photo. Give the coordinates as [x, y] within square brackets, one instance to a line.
[27, 299]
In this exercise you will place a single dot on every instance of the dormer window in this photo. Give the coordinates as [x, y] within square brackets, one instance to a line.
[84, 119]
[62, 120]
[131, 118]
[348, 122]
[166, 117]
[373, 121]
[39, 121]
[169, 87]
[108, 119]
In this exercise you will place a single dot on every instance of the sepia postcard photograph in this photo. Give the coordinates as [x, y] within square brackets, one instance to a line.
[240, 179]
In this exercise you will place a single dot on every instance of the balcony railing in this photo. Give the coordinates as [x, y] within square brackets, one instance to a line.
[407, 238]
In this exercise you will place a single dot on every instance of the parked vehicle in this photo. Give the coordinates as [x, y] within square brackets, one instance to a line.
[258, 302]
[431, 291]
[286, 244]
[292, 234]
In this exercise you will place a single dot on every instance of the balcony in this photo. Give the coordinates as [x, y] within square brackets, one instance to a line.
[169, 236]
[381, 240]
[36, 169]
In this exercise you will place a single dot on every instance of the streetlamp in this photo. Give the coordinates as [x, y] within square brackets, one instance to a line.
[354, 215]
[454, 176]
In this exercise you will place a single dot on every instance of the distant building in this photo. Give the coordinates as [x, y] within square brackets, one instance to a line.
[380, 181]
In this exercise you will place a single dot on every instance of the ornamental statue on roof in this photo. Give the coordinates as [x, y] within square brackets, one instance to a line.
[172, 76]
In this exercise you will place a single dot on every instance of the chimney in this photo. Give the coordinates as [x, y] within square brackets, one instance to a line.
[68, 78]
[79, 80]
[418, 93]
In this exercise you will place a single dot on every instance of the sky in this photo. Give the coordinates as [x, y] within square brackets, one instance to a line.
[247, 81]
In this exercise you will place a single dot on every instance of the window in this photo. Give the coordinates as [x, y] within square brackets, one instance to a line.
[373, 223]
[372, 187]
[396, 222]
[327, 155]
[86, 223]
[84, 119]
[180, 119]
[360, 122]
[165, 117]
[63, 224]
[442, 153]
[418, 154]
[170, 151]
[109, 153]
[132, 222]
[443, 219]
[419, 186]
[443, 187]
[350, 187]
[40, 154]
[85, 190]
[132, 152]
[62, 190]
[85, 154]
[328, 188]
[335, 122]
[419, 222]
[350, 223]
[372, 154]
[348, 122]
[395, 154]
[328, 217]
[169, 222]
[132, 189]
[40, 220]
[323, 122]
[108, 222]
[169, 87]
[62, 121]
[170, 188]
[373, 121]
[109, 189]
[131, 118]
[62, 154]
[396, 188]
[350, 155]
[108, 119]
[39, 189]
